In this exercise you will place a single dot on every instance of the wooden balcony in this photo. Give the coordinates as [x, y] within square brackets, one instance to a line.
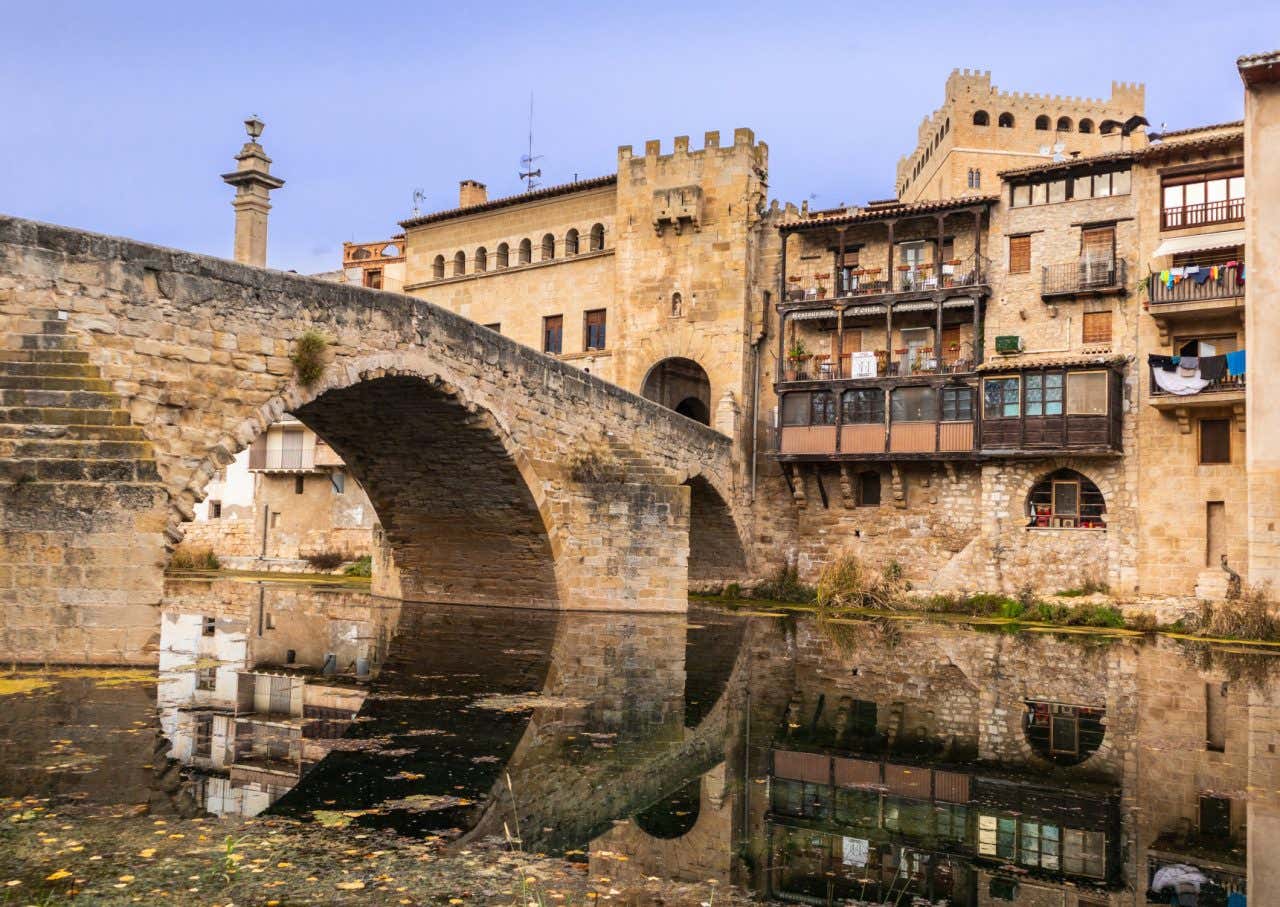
[898, 441]
[1202, 215]
[1195, 297]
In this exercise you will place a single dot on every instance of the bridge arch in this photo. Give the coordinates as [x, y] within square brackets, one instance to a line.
[682, 385]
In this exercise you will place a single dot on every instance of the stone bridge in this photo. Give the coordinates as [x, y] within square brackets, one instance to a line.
[130, 374]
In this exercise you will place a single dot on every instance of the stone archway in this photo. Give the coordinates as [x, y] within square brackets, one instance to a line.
[465, 521]
[716, 552]
[681, 385]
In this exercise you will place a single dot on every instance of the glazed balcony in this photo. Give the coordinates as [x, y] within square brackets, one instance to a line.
[1084, 277]
[920, 280]
[957, 359]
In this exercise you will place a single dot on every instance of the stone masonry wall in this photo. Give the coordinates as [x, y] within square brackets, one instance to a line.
[197, 351]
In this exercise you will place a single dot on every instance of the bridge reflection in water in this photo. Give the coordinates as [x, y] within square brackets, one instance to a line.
[813, 761]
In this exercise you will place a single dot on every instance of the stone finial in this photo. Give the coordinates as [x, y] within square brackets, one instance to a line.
[254, 182]
[711, 139]
[681, 144]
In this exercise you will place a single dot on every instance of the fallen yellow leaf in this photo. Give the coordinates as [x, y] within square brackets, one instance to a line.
[350, 886]
[126, 878]
[57, 874]
[147, 852]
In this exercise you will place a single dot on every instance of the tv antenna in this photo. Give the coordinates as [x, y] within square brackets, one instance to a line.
[527, 172]
[419, 197]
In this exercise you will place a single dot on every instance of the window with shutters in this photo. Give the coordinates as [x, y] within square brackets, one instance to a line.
[1097, 327]
[1019, 254]
[957, 404]
[553, 334]
[373, 278]
[1215, 441]
[1098, 244]
[593, 329]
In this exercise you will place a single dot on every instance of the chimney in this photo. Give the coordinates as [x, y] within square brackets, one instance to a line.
[254, 182]
[471, 193]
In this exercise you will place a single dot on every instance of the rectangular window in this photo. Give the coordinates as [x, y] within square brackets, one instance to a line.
[593, 329]
[203, 743]
[1215, 717]
[291, 449]
[208, 625]
[215, 510]
[1019, 254]
[1215, 817]
[1000, 398]
[864, 407]
[957, 404]
[1057, 191]
[1097, 327]
[1021, 196]
[207, 678]
[1098, 244]
[914, 404]
[299, 484]
[1199, 199]
[1043, 395]
[553, 334]
[1082, 187]
[1087, 393]
[1084, 852]
[1066, 506]
[1215, 441]
[338, 480]
[373, 278]
[795, 409]
[822, 408]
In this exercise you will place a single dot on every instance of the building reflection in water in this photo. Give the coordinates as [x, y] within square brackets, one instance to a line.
[258, 682]
[813, 762]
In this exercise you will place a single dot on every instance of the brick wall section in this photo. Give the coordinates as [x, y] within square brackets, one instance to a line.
[198, 350]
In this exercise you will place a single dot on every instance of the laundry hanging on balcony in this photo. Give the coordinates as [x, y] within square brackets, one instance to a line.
[1213, 368]
[1175, 382]
[1236, 363]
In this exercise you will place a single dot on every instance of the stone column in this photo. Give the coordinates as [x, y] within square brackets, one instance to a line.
[1261, 75]
[254, 182]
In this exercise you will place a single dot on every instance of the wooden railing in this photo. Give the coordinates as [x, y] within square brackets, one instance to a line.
[900, 437]
[1202, 215]
[1189, 289]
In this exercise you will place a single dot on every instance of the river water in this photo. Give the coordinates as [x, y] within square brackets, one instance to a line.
[809, 761]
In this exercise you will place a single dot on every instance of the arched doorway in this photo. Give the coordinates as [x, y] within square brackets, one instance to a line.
[681, 385]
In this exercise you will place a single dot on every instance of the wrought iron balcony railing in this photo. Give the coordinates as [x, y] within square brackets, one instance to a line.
[1085, 275]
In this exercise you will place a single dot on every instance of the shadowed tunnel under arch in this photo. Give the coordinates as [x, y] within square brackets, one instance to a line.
[459, 515]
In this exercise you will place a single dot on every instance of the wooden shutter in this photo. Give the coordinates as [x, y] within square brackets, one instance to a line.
[1097, 327]
[1019, 254]
[1098, 243]
[1215, 440]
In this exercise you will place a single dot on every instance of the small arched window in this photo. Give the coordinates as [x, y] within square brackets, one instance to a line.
[459, 264]
[1042, 122]
[868, 489]
[981, 118]
[1006, 121]
[548, 247]
[597, 237]
[677, 305]
[1066, 499]
[526, 252]
[571, 242]
[482, 260]
[975, 179]
[437, 268]
[1086, 126]
[1108, 127]
[1064, 124]
[503, 255]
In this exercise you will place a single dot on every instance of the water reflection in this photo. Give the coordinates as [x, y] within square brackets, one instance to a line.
[814, 762]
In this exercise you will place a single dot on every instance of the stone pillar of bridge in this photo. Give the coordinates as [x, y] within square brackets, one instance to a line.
[254, 182]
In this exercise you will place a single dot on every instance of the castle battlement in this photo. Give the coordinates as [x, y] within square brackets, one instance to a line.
[744, 139]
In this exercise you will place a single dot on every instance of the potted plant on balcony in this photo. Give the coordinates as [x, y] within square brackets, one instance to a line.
[822, 285]
[797, 351]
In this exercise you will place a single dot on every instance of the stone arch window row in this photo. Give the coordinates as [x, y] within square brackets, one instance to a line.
[481, 260]
[1043, 123]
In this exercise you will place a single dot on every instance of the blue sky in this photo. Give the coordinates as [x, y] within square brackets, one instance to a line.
[122, 115]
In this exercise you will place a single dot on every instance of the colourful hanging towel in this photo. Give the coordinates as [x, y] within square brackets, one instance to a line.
[1241, 276]
[1166, 277]
[1236, 363]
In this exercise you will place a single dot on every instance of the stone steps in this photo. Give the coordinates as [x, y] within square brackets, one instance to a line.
[75, 450]
[61, 342]
[69, 399]
[50, 370]
[14, 354]
[48, 469]
[87, 382]
[52, 415]
[36, 431]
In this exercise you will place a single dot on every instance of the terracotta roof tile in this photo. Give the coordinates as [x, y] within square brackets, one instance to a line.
[1158, 149]
[1234, 124]
[1032, 360]
[880, 212]
[511, 200]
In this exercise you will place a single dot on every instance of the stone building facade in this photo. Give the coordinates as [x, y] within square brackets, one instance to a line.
[1016, 261]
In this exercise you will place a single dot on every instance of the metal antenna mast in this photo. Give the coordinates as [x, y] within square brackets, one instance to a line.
[527, 172]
